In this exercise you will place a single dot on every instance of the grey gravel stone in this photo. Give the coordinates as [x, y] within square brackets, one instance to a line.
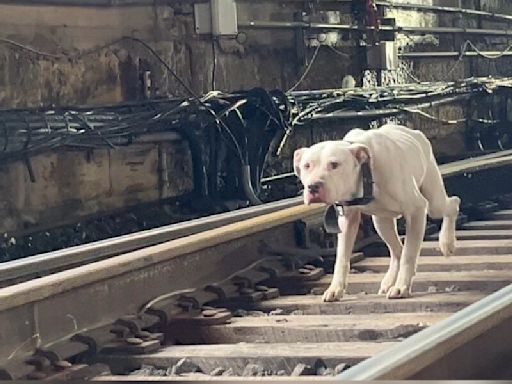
[256, 313]
[252, 370]
[327, 372]
[240, 313]
[432, 289]
[282, 372]
[276, 312]
[452, 288]
[340, 368]
[145, 370]
[159, 372]
[319, 367]
[228, 372]
[297, 312]
[302, 370]
[219, 371]
[184, 366]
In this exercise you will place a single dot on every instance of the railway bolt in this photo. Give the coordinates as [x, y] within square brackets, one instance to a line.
[216, 290]
[269, 293]
[188, 303]
[134, 341]
[129, 322]
[242, 282]
[209, 312]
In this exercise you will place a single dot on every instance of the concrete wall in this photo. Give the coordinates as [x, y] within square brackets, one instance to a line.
[66, 181]
[71, 184]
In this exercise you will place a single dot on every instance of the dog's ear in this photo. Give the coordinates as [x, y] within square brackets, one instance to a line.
[297, 156]
[360, 152]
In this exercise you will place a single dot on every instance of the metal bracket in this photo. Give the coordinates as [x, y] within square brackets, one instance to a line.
[188, 303]
[216, 290]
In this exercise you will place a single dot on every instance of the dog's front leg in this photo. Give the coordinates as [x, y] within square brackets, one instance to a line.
[414, 232]
[349, 225]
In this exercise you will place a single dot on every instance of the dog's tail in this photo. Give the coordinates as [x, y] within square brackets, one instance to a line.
[447, 238]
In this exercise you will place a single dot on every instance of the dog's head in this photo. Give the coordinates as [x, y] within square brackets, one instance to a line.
[329, 170]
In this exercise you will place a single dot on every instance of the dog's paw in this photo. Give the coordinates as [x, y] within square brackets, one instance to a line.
[384, 289]
[333, 293]
[387, 282]
[448, 247]
[399, 292]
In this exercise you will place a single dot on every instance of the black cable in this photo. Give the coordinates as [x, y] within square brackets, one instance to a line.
[29, 49]
[155, 54]
[214, 67]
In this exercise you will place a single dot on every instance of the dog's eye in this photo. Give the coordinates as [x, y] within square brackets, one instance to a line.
[334, 164]
[307, 165]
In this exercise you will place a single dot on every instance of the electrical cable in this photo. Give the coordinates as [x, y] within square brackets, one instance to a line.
[338, 52]
[29, 49]
[434, 118]
[154, 53]
[490, 57]
[306, 71]
[214, 66]
[463, 50]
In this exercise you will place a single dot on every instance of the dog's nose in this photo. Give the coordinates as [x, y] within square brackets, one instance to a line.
[314, 188]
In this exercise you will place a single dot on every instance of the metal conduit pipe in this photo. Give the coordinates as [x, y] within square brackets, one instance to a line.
[260, 24]
[427, 55]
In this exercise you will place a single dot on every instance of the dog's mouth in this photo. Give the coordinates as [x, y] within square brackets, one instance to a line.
[313, 200]
[310, 198]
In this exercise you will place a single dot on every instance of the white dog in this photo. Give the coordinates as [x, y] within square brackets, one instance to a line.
[406, 182]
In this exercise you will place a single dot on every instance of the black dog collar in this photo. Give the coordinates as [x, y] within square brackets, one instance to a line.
[336, 210]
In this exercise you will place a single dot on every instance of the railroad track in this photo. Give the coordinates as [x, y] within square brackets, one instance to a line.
[241, 300]
[297, 334]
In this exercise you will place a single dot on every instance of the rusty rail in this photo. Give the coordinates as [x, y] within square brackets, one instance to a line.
[23, 269]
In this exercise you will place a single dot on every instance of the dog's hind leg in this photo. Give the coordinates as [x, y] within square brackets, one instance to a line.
[441, 206]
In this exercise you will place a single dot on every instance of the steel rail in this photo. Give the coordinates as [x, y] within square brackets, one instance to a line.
[47, 312]
[423, 350]
[91, 252]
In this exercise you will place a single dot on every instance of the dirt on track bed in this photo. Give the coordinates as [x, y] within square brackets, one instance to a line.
[297, 334]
